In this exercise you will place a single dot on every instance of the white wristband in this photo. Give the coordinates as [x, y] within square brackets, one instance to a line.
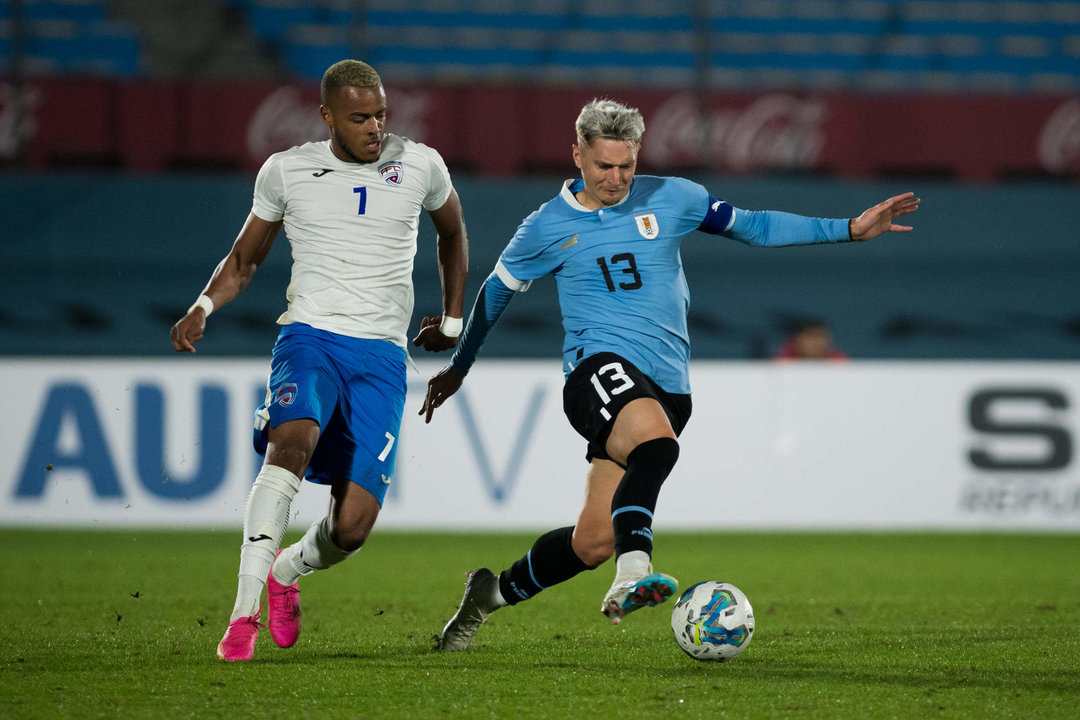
[205, 303]
[450, 326]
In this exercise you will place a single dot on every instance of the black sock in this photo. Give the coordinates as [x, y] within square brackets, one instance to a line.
[551, 560]
[632, 506]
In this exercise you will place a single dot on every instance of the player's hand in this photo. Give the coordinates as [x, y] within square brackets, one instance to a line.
[430, 336]
[441, 386]
[188, 330]
[879, 219]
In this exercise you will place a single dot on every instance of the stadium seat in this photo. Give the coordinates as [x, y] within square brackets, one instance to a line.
[803, 42]
[100, 47]
[82, 11]
[864, 44]
[73, 36]
[273, 19]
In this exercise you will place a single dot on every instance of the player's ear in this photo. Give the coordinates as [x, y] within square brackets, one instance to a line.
[327, 116]
[577, 154]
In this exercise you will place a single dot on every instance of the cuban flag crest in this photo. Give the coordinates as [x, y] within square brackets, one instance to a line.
[646, 225]
[392, 172]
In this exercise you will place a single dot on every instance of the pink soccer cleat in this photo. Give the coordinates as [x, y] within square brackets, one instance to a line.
[239, 640]
[284, 607]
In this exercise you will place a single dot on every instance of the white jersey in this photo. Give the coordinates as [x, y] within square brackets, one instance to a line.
[353, 231]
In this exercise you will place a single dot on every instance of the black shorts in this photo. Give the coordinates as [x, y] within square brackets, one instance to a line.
[601, 386]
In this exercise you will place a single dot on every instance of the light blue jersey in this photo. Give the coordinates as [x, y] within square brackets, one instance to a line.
[619, 273]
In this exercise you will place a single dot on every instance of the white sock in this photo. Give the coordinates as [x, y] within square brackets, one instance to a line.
[315, 551]
[632, 564]
[266, 516]
[500, 601]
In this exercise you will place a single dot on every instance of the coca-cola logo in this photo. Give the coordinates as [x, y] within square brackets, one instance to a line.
[285, 118]
[282, 120]
[17, 126]
[1059, 142]
[775, 131]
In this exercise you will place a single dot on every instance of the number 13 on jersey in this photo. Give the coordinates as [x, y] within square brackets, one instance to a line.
[631, 269]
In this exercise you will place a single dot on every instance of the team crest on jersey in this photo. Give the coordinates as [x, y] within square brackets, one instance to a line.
[286, 395]
[646, 225]
[392, 172]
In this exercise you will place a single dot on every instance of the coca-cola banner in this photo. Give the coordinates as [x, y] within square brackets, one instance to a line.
[160, 125]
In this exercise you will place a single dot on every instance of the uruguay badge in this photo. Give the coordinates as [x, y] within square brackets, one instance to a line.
[392, 172]
[646, 225]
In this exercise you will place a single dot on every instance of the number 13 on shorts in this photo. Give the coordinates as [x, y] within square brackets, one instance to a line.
[617, 380]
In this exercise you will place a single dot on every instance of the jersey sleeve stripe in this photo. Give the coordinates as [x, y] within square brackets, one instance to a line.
[509, 280]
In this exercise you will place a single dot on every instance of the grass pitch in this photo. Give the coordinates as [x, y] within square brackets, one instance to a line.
[125, 624]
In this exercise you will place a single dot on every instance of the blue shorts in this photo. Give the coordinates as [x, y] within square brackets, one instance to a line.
[354, 388]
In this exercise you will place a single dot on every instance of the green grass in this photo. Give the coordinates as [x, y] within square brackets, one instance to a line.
[111, 624]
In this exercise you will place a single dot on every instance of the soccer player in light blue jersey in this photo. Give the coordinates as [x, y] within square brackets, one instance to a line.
[612, 242]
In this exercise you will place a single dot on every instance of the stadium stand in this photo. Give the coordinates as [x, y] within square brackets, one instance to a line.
[860, 45]
[67, 36]
[846, 44]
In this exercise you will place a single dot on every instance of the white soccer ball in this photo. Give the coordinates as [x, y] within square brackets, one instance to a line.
[712, 620]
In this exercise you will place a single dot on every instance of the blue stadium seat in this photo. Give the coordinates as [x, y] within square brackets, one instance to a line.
[312, 60]
[522, 39]
[74, 36]
[273, 19]
[467, 19]
[1028, 41]
[99, 48]
[82, 11]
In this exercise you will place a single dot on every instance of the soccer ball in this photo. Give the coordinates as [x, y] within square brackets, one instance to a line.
[712, 621]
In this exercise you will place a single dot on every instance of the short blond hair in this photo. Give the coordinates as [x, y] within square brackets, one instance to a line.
[609, 120]
[348, 73]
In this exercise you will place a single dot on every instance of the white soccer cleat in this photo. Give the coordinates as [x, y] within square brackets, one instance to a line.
[626, 596]
[476, 606]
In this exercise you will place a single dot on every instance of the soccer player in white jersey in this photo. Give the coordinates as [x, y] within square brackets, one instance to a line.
[612, 242]
[350, 208]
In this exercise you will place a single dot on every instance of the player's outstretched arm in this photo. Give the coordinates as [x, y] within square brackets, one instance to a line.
[878, 220]
[490, 303]
[230, 277]
[441, 386]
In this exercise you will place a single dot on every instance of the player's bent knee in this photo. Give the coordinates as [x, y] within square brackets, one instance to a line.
[289, 456]
[350, 532]
[594, 552]
[291, 445]
[659, 454]
[598, 555]
[350, 539]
